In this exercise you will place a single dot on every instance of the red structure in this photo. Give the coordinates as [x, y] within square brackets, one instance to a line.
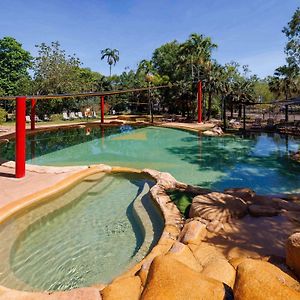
[32, 114]
[20, 136]
[20, 150]
[102, 109]
[199, 98]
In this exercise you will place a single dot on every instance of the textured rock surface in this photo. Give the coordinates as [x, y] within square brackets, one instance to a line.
[125, 289]
[245, 193]
[218, 206]
[183, 254]
[193, 233]
[261, 280]
[262, 211]
[169, 279]
[214, 264]
[293, 253]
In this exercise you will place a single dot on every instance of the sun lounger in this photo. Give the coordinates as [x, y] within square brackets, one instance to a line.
[37, 119]
[80, 115]
[73, 116]
[46, 118]
[65, 116]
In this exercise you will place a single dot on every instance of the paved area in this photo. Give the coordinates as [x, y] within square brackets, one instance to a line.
[36, 179]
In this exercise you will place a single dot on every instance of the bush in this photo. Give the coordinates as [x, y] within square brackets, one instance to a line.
[3, 115]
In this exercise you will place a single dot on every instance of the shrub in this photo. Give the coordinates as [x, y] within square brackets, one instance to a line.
[3, 115]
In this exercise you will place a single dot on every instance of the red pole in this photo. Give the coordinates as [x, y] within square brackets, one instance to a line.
[20, 150]
[199, 101]
[32, 114]
[102, 109]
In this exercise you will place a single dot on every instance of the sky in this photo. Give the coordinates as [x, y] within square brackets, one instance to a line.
[249, 32]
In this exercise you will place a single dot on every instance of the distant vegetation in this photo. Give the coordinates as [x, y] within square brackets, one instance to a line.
[53, 71]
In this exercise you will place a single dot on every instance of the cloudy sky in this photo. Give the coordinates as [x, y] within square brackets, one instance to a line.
[248, 32]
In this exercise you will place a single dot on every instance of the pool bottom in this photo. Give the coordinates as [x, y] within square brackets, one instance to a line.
[42, 253]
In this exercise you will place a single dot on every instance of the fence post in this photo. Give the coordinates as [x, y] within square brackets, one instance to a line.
[32, 114]
[20, 150]
[199, 96]
[102, 109]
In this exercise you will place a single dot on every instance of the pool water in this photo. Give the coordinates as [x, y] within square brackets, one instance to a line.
[88, 235]
[258, 161]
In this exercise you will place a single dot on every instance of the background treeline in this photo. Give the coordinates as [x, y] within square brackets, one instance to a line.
[180, 65]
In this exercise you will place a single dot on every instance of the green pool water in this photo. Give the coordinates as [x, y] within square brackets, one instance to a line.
[88, 235]
[258, 161]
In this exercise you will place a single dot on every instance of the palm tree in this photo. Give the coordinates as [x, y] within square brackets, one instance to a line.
[112, 56]
[285, 81]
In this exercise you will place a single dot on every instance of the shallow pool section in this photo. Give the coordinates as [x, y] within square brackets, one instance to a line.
[258, 161]
[89, 235]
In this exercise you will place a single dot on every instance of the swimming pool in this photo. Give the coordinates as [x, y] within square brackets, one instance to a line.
[258, 161]
[88, 235]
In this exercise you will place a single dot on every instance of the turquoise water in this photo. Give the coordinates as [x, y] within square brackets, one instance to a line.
[258, 161]
[88, 235]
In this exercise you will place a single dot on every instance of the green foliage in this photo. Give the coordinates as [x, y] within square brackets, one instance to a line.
[3, 115]
[263, 92]
[182, 200]
[292, 32]
[14, 64]
[112, 56]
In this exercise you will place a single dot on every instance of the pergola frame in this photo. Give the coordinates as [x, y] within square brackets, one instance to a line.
[20, 149]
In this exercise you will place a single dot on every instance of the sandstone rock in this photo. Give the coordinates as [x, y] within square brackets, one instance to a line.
[262, 280]
[218, 206]
[214, 264]
[197, 190]
[210, 133]
[266, 200]
[214, 226]
[288, 205]
[183, 254]
[169, 279]
[125, 289]
[293, 252]
[262, 211]
[205, 253]
[220, 269]
[244, 193]
[193, 233]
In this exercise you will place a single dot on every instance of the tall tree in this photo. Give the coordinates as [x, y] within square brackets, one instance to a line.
[112, 56]
[292, 32]
[14, 65]
[55, 72]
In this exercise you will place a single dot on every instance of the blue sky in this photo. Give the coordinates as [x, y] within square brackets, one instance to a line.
[248, 32]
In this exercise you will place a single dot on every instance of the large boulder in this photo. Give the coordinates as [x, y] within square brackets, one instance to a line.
[193, 233]
[218, 206]
[169, 279]
[262, 211]
[293, 253]
[214, 263]
[125, 289]
[183, 254]
[245, 193]
[261, 280]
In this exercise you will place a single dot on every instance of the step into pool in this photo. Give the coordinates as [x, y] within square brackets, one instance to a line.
[88, 235]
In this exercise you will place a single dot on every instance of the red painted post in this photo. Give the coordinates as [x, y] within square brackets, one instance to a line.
[199, 101]
[20, 150]
[102, 109]
[32, 114]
